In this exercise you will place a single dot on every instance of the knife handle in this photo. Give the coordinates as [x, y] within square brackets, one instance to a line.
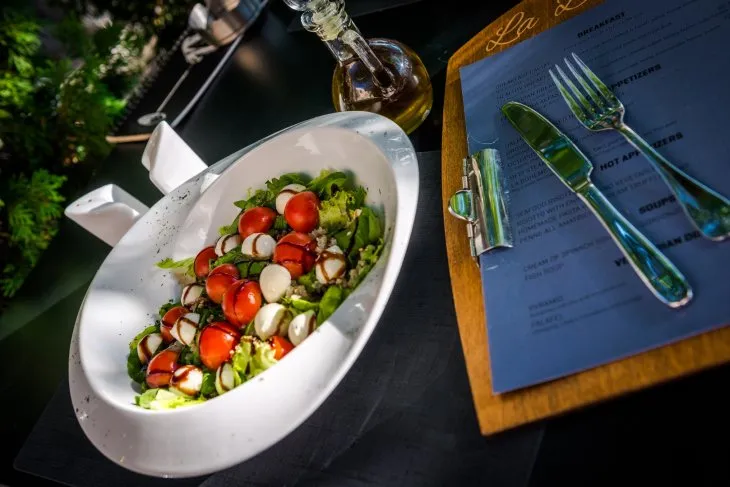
[654, 269]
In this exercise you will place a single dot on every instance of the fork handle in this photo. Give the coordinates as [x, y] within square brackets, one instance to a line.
[708, 210]
[655, 270]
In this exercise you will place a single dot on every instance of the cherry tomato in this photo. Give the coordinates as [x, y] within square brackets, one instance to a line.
[161, 367]
[169, 319]
[219, 280]
[216, 342]
[281, 346]
[256, 220]
[295, 251]
[302, 211]
[241, 302]
[201, 265]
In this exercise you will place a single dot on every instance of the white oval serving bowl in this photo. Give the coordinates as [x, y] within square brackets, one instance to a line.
[128, 289]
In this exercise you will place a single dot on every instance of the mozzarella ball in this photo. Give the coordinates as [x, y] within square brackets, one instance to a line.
[259, 246]
[285, 195]
[301, 327]
[274, 281]
[185, 328]
[190, 294]
[187, 379]
[227, 243]
[224, 378]
[147, 347]
[270, 319]
[331, 265]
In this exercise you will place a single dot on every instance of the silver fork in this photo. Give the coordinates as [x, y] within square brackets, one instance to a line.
[708, 210]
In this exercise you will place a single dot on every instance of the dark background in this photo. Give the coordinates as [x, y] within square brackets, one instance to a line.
[675, 434]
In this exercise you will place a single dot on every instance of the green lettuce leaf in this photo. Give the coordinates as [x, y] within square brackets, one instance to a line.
[208, 387]
[185, 265]
[190, 356]
[229, 229]
[367, 260]
[167, 307]
[135, 367]
[308, 280]
[251, 357]
[333, 297]
[364, 231]
[260, 197]
[277, 184]
[252, 268]
[280, 223]
[300, 305]
[327, 183]
[333, 213]
[231, 257]
[158, 399]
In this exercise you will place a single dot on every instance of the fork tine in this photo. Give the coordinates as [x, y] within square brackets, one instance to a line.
[572, 104]
[586, 87]
[595, 80]
[576, 92]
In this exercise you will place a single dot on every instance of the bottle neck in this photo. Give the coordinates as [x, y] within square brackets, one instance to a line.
[328, 19]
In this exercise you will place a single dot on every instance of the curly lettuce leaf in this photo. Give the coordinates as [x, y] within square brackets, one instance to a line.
[333, 213]
[159, 399]
[184, 265]
[251, 357]
[190, 356]
[333, 297]
[327, 183]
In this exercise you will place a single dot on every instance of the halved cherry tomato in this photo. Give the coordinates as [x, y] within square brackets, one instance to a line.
[201, 265]
[216, 342]
[281, 346]
[256, 220]
[219, 280]
[295, 251]
[161, 367]
[241, 302]
[302, 211]
[169, 319]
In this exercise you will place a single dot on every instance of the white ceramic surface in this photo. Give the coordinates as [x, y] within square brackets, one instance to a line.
[107, 212]
[128, 289]
[169, 159]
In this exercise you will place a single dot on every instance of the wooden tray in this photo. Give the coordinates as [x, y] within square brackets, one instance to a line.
[500, 412]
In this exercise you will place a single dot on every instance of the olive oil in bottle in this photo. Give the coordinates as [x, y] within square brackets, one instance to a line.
[377, 75]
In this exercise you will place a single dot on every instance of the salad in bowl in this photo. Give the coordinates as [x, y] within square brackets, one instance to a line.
[294, 252]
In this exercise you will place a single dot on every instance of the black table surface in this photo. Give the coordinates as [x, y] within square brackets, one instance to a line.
[673, 434]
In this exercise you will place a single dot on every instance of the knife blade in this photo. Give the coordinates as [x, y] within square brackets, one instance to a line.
[574, 169]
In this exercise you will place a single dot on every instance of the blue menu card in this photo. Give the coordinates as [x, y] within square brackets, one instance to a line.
[563, 299]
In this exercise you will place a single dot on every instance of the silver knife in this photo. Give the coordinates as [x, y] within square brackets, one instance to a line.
[573, 168]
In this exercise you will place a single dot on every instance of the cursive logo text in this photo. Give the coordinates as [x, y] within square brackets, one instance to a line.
[565, 5]
[516, 26]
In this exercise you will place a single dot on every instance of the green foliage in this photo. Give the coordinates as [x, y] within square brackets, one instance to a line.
[55, 115]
